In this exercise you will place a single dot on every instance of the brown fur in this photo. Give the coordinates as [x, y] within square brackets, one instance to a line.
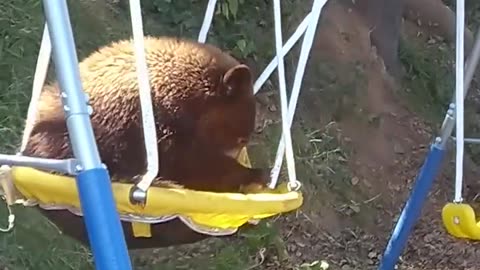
[204, 108]
[203, 104]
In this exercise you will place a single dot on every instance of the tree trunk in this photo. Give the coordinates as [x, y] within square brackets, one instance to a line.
[384, 17]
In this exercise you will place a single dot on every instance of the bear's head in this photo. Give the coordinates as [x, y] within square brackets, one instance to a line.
[229, 117]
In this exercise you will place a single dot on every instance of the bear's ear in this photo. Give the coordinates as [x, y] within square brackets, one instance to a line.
[237, 81]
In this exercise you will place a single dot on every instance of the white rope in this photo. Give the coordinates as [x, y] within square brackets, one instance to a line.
[207, 21]
[459, 99]
[41, 69]
[283, 93]
[148, 120]
[297, 83]
[7, 192]
[288, 46]
[10, 220]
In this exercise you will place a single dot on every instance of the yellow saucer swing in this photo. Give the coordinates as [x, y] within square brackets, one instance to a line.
[204, 213]
[460, 221]
[207, 213]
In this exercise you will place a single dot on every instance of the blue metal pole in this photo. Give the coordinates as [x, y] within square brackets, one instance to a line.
[93, 182]
[413, 207]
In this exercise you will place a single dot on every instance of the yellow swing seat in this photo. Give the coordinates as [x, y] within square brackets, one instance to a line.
[460, 221]
[207, 211]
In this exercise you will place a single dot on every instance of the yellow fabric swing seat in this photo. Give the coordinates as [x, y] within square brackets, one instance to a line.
[204, 212]
[460, 221]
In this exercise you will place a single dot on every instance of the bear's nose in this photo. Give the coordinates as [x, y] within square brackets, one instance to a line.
[242, 140]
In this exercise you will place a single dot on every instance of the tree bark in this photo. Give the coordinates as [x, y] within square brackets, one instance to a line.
[384, 17]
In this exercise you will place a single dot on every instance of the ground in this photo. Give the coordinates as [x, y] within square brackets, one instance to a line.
[360, 137]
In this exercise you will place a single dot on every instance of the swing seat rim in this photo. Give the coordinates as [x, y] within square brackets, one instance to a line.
[211, 209]
[208, 210]
[48, 188]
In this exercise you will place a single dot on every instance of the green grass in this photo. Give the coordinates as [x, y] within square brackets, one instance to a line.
[239, 252]
[36, 244]
[429, 80]
[18, 45]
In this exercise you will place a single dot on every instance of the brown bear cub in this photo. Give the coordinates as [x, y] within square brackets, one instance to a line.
[204, 110]
[203, 104]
